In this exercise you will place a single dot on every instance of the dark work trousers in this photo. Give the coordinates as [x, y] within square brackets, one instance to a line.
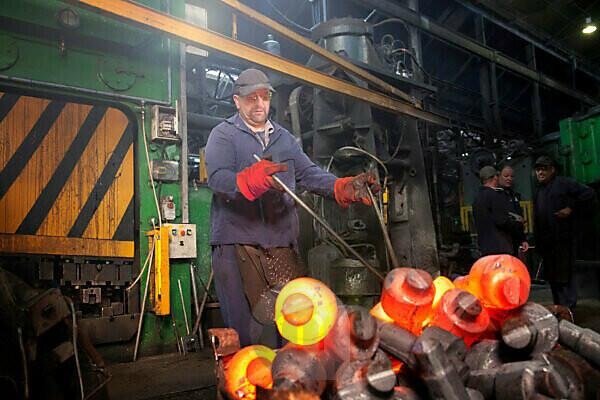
[234, 305]
[565, 294]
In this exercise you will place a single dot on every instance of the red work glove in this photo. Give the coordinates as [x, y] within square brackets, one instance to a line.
[255, 180]
[354, 188]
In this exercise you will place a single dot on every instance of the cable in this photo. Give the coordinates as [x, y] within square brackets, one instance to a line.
[24, 361]
[389, 20]
[148, 163]
[359, 150]
[139, 329]
[289, 21]
[143, 268]
[77, 365]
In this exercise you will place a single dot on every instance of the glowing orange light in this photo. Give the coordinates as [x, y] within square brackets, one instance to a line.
[249, 367]
[297, 309]
[378, 312]
[407, 296]
[462, 314]
[442, 285]
[500, 281]
[305, 311]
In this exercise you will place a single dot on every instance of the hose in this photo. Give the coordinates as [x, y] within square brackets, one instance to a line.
[139, 329]
[77, 365]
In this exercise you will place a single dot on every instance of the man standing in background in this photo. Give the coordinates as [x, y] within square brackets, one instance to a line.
[556, 200]
[505, 182]
[495, 228]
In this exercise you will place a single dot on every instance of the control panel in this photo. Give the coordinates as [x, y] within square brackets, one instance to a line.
[182, 240]
[167, 208]
[165, 126]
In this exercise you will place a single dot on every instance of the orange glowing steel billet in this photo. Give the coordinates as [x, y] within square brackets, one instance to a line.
[305, 311]
[442, 285]
[255, 361]
[378, 312]
[501, 282]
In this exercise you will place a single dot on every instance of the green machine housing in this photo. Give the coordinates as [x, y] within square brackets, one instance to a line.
[61, 68]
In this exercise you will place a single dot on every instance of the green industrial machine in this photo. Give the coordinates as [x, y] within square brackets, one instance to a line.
[52, 51]
[580, 146]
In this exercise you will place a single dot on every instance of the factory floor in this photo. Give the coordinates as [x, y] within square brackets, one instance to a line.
[166, 377]
[191, 377]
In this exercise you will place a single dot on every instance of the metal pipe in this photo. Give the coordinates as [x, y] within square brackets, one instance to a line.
[325, 225]
[185, 318]
[139, 328]
[202, 305]
[182, 115]
[386, 236]
[195, 294]
[136, 99]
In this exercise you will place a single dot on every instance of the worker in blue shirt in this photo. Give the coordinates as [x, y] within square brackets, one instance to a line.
[254, 224]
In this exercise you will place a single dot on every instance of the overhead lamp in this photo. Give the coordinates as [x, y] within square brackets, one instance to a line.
[589, 27]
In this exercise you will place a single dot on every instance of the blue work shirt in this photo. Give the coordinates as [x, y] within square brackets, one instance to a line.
[271, 220]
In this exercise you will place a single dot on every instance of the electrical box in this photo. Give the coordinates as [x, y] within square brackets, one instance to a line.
[167, 208]
[182, 240]
[165, 125]
[165, 170]
[160, 294]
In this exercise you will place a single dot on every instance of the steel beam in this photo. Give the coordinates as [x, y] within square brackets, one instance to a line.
[525, 36]
[536, 102]
[392, 9]
[191, 34]
[302, 41]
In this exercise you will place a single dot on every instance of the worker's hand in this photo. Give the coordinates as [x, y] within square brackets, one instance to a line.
[524, 247]
[564, 213]
[354, 189]
[255, 180]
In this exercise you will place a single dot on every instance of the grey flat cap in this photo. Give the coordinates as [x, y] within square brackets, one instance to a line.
[544, 161]
[487, 172]
[250, 80]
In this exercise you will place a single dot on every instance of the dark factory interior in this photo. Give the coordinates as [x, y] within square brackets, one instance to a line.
[300, 199]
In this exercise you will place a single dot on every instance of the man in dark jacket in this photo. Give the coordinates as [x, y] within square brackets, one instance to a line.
[505, 182]
[254, 225]
[555, 201]
[493, 223]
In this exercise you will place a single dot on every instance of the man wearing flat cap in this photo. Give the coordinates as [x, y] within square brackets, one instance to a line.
[554, 203]
[254, 224]
[491, 212]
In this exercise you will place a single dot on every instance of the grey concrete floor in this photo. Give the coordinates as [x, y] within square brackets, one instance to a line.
[168, 377]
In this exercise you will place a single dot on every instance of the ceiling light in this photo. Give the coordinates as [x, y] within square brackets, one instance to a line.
[589, 26]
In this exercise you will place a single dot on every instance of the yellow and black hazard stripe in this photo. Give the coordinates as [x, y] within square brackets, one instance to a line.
[66, 178]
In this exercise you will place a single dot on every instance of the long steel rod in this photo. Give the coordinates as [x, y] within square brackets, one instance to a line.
[185, 318]
[195, 294]
[386, 236]
[202, 305]
[325, 225]
[141, 321]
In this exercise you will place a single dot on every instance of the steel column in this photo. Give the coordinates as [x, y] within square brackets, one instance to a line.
[484, 81]
[536, 102]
